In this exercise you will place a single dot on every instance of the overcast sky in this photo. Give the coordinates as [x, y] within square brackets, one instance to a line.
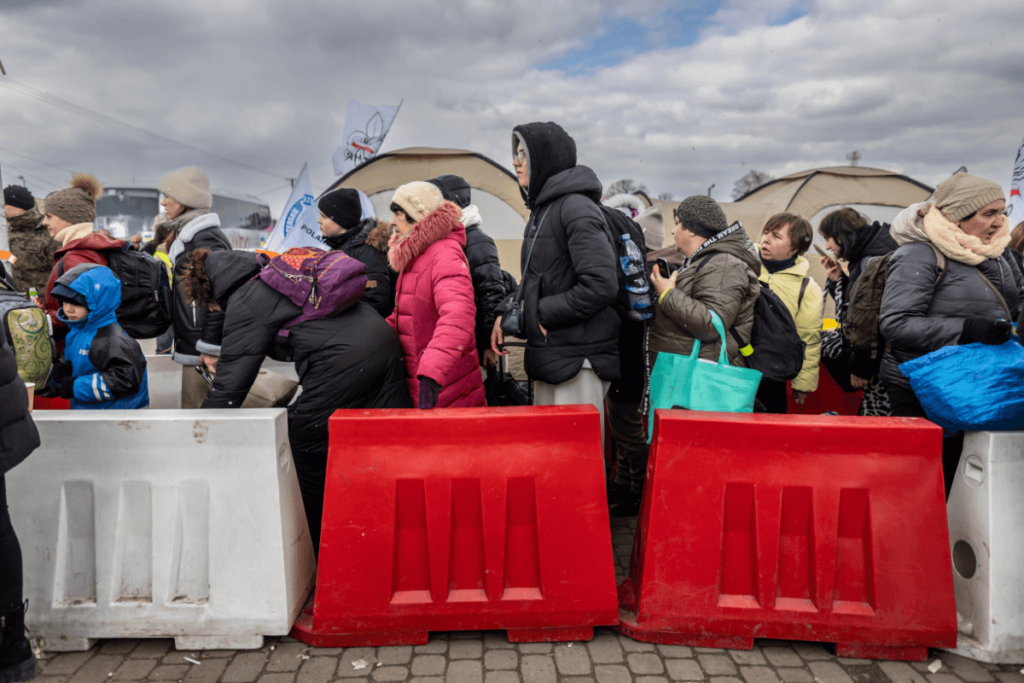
[676, 95]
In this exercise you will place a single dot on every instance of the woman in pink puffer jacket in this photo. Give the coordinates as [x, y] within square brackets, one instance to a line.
[434, 314]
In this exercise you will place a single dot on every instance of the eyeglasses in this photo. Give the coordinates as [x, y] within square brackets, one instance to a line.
[519, 157]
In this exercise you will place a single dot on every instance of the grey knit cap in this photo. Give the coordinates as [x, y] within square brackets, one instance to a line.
[701, 215]
[963, 194]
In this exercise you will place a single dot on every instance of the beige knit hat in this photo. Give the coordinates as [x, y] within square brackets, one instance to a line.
[188, 186]
[963, 194]
[75, 204]
[418, 199]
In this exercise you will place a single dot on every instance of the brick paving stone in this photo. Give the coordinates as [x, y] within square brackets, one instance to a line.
[849, 661]
[134, 670]
[501, 659]
[782, 656]
[48, 679]
[286, 657]
[684, 670]
[97, 669]
[118, 646]
[645, 664]
[900, 672]
[578, 679]
[707, 650]
[154, 647]
[605, 649]
[609, 673]
[465, 671]
[537, 669]
[717, 665]
[967, 669]
[630, 645]
[571, 660]
[501, 677]
[169, 672]
[354, 654]
[795, 675]
[245, 668]
[535, 648]
[675, 651]
[828, 672]
[390, 673]
[400, 654]
[209, 671]
[277, 678]
[436, 646]
[651, 679]
[428, 665]
[758, 674]
[465, 649]
[948, 678]
[428, 679]
[725, 679]
[67, 663]
[812, 651]
[216, 654]
[1004, 677]
[497, 640]
[314, 670]
[748, 657]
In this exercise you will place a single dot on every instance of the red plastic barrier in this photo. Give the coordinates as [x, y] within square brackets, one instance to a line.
[56, 403]
[828, 529]
[463, 519]
[828, 396]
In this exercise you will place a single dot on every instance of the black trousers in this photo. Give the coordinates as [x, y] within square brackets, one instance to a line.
[772, 396]
[309, 442]
[905, 404]
[10, 557]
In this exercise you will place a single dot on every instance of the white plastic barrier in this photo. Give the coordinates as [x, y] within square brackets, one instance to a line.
[162, 523]
[986, 523]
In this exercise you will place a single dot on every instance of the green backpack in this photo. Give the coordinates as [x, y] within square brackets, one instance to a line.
[24, 324]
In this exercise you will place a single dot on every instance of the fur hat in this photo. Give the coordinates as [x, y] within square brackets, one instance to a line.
[418, 199]
[963, 194]
[76, 204]
[342, 206]
[188, 186]
[453, 188]
[19, 196]
[702, 216]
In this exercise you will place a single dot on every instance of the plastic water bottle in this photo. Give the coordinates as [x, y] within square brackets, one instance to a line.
[632, 262]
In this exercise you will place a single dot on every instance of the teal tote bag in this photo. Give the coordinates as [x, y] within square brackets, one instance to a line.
[696, 384]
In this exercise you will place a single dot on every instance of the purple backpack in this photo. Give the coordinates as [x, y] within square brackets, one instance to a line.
[323, 283]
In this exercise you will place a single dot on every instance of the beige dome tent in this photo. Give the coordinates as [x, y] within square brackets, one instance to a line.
[495, 190]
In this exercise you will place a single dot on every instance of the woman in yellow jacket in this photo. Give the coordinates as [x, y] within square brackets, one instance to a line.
[784, 240]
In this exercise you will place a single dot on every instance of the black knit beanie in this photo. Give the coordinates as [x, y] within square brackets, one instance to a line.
[453, 188]
[19, 196]
[702, 216]
[342, 206]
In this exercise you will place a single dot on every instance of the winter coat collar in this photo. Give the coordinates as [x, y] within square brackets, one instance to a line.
[871, 240]
[230, 269]
[353, 237]
[440, 224]
[74, 232]
[29, 221]
[910, 226]
[733, 240]
[576, 180]
[95, 241]
[201, 220]
[470, 216]
[799, 269]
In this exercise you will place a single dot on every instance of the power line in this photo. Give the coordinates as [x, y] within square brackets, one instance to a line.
[27, 174]
[38, 161]
[119, 125]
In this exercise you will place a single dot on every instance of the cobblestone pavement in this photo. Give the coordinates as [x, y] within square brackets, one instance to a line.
[486, 657]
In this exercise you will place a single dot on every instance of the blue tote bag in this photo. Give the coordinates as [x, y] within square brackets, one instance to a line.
[695, 384]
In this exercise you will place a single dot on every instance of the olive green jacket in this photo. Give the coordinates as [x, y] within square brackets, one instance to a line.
[32, 245]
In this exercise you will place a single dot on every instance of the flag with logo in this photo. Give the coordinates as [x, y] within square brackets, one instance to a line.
[365, 128]
[1016, 208]
[297, 226]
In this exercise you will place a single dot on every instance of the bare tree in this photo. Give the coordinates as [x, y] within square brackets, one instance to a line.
[749, 182]
[625, 186]
[666, 196]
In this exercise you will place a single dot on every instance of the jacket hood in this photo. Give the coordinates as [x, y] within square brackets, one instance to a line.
[576, 180]
[102, 292]
[440, 224]
[733, 240]
[24, 222]
[95, 241]
[352, 237]
[229, 270]
[871, 240]
[471, 216]
[200, 220]
[549, 151]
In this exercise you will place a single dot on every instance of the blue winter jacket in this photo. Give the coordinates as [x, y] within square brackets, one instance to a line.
[108, 366]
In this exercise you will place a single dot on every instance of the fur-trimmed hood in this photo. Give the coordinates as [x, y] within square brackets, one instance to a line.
[471, 216]
[924, 222]
[442, 223]
[379, 236]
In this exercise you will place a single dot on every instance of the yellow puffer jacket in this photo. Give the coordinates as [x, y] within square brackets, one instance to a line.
[786, 285]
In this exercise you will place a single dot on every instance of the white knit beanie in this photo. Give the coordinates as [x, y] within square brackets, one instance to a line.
[418, 199]
[188, 186]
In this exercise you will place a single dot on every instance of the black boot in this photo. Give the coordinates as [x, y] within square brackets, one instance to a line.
[629, 507]
[17, 661]
[617, 493]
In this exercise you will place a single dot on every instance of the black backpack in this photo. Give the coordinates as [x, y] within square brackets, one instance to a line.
[617, 224]
[145, 311]
[775, 348]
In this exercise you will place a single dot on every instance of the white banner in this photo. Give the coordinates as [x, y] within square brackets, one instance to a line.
[365, 128]
[297, 226]
[1016, 206]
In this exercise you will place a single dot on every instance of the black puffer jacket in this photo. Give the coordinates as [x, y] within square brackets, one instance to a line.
[351, 360]
[571, 283]
[368, 244]
[488, 282]
[18, 434]
[202, 232]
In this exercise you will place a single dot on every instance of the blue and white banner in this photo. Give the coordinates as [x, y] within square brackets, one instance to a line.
[297, 226]
[365, 128]
[1016, 208]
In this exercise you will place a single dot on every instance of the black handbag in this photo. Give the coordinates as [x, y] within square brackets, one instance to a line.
[513, 323]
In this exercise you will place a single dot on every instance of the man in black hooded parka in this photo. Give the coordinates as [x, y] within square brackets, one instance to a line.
[350, 360]
[570, 284]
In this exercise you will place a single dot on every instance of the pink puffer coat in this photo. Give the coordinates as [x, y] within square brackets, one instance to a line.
[434, 314]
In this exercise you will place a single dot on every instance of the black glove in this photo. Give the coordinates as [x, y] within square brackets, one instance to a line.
[429, 391]
[67, 388]
[986, 331]
[61, 371]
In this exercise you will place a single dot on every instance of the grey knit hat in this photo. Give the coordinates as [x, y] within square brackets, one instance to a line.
[963, 194]
[75, 204]
[701, 215]
[188, 186]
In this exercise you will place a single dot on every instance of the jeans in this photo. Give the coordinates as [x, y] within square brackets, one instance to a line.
[10, 556]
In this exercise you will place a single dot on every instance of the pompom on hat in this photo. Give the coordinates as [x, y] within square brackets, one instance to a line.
[418, 199]
[963, 194]
[189, 186]
[75, 204]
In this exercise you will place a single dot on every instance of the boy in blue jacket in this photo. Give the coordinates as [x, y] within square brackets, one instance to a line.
[104, 367]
